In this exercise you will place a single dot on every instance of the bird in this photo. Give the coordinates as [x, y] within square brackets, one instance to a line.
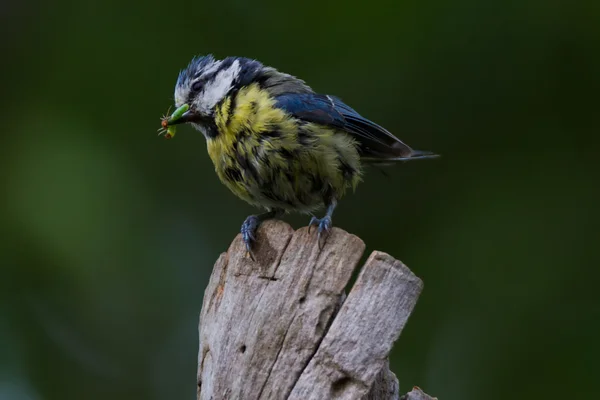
[278, 144]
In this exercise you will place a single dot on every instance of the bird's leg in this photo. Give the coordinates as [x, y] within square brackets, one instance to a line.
[251, 224]
[324, 224]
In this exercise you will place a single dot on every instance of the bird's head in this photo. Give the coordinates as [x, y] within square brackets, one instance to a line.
[203, 84]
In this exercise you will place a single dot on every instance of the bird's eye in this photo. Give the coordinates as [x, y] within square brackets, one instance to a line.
[198, 85]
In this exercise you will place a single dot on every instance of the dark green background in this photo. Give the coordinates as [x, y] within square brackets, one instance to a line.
[110, 232]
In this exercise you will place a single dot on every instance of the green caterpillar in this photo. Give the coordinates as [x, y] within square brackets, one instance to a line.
[169, 130]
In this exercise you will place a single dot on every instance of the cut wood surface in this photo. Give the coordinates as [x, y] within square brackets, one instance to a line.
[280, 326]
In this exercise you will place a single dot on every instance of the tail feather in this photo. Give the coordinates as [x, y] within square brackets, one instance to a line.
[414, 155]
[417, 154]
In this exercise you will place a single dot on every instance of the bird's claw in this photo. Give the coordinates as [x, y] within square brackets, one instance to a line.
[324, 226]
[248, 233]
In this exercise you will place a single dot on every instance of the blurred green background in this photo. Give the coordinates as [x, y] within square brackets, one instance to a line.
[110, 232]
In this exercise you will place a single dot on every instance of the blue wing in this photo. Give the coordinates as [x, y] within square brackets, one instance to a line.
[375, 141]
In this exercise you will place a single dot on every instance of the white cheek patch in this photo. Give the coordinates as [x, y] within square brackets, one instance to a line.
[217, 88]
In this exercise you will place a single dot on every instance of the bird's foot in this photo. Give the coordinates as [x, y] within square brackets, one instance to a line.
[250, 226]
[324, 226]
[249, 231]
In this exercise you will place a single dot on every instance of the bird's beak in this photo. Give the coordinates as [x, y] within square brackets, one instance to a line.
[188, 116]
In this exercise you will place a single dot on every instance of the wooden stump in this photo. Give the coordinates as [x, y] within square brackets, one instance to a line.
[281, 327]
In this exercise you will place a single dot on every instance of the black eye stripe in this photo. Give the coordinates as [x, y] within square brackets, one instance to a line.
[196, 86]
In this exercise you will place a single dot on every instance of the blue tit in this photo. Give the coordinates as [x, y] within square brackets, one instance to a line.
[276, 143]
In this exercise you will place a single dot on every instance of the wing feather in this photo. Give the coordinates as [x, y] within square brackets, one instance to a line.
[375, 141]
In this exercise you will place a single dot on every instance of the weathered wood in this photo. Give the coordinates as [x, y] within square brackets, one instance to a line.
[417, 394]
[385, 387]
[355, 348]
[280, 328]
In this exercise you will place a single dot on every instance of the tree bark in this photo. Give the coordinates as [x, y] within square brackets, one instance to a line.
[280, 327]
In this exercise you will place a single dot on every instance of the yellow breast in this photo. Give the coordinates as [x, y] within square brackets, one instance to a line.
[259, 156]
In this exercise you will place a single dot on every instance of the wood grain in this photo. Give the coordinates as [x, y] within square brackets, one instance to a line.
[281, 327]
